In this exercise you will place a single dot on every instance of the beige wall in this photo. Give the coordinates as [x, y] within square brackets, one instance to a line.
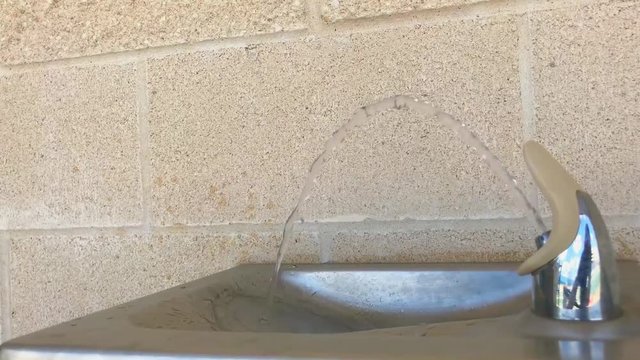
[144, 144]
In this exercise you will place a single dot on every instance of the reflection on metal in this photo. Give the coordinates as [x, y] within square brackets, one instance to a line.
[584, 350]
[402, 298]
[580, 350]
[582, 282]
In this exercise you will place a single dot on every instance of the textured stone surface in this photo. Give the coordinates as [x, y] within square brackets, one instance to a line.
[58, 278]
[70, 145]
[588, 100]
[452, 243]
[234, 132]
[37, 30]
[333, 10]
[627, 241]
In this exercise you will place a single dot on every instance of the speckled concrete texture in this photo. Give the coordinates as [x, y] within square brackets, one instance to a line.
[58, 278]
[70, 146]
[233, 132]
[334, 10]
[627, 242]
[509, 242]
[38, 30]
[588, 100]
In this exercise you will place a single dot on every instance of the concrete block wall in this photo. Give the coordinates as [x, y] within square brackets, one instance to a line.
[145, 144]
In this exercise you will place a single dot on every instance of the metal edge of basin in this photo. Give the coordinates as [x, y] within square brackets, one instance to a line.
[109, 334]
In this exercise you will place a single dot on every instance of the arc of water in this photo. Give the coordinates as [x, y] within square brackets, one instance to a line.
[360, 117]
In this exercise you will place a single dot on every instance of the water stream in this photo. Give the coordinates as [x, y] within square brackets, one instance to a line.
[360, 117]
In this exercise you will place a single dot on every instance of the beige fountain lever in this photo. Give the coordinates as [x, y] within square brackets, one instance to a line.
[559, 188]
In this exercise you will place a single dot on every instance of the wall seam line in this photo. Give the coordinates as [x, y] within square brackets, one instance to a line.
[614, 221]
[144, 156]
[137, 55]
[265, 227]
[436, 16]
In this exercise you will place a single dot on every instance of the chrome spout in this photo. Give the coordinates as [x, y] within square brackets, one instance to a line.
[581, 283]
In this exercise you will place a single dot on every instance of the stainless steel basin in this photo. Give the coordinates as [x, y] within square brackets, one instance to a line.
[338, 298]
[342, 311]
